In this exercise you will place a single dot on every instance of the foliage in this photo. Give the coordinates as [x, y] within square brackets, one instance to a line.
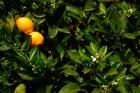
[91, 46]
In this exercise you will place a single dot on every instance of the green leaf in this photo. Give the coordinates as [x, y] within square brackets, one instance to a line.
[123, 5]
[136, 90]
[96, 90]
[117, 21]
[61, 51]
[26, 43]
[70, 88]
[93, 49]
[106, 56]
[53, 62]
[102, 8]
[75, 11]
[4, 46]
[122, 86]
[70, 72]
[83, 56]
[64, 30]
[121, 75]
[68, 66]
[103, 51]
[37, 59]
[74, 55]
[65, 39]
[29, 14]
[10, 22]
[25, 76]
[129, 35]
[50, 62]
[98, 80]
[90, 5]
[34, 6]
[40, 21]
[33, 53]
[122, 89]
[112, 71]
[135, 66]
[38, 15]
[44, 58]
[52, 31]
[128, 52]
[86, 70]
[49, 88]
[20, 55]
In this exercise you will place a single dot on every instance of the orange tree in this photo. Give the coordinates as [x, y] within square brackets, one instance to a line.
[89, 46]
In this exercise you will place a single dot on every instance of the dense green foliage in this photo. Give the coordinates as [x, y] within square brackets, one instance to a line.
[91, 46]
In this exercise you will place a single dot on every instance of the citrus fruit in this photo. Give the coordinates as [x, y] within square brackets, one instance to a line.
[21, 88]
[25, 25]
[36, 38]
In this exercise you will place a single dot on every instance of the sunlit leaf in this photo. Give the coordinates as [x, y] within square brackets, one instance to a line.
[75, 12]
[90, 5]
[103, 51]
[129, 35]
[102, 8]
[86, 70]
[61, 51]
[4, 46]
[70, 72]
[96, 90]
[49, 88]
[121, 75]
[33, 52]
[112, 71]
[10, 22]
[73, 54]
[25, 76]
[93, 49]
[70, 88]
[52, 32]
[136, 90]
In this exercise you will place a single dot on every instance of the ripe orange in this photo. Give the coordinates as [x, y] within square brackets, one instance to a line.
[25, 25]
[36, 39]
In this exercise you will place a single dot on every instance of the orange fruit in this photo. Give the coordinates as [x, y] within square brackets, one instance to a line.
[36, 39]
[25, 25]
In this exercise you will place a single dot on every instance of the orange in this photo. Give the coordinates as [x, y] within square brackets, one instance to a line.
[36, 38]
[25, 25]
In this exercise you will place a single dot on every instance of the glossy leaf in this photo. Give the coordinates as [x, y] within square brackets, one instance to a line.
[70, 72]
[112, 71]
[4, 47]
[49, 88]
[52, 32]
[25, 76]
[103, 51]
[70, 88]
[129, 35]
[102, 8]
[73, 54]
[61, 51]
[93, 49]
[33, 52]
[96, 90]
[90, 5]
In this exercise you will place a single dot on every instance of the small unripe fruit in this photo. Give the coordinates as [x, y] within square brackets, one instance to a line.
[21, 88]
